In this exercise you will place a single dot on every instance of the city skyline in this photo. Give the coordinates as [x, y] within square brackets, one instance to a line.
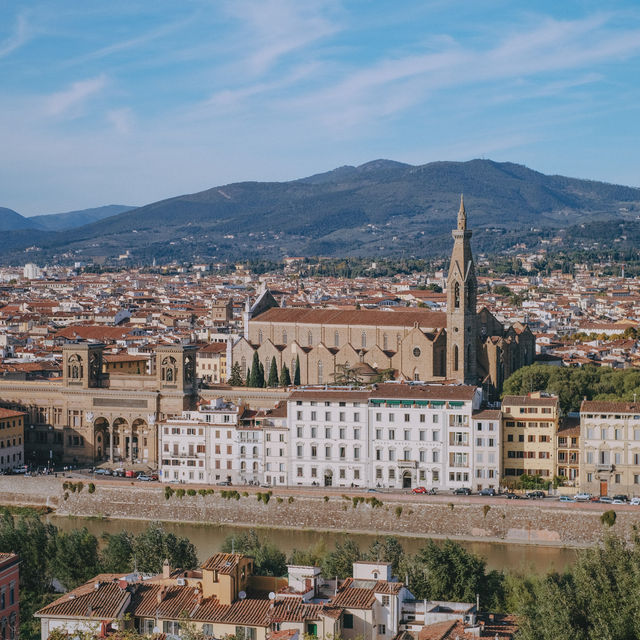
[129, 104]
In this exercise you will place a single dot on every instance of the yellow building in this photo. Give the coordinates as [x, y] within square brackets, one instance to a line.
[529, 432]
[11, 439]
[211, 363]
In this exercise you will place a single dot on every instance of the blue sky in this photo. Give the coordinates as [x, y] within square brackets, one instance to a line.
[131, 101]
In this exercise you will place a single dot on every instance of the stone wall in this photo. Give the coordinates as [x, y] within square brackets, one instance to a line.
[546, 523]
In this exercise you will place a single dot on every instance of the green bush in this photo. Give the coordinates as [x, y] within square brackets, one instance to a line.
[290, 500]
[191, 492]
[486, 510]
[210, 492]
[279, 500]
[79, 487]
[374, 502]
[608, 518]
[91, 488]
[398, 511]
[245, 494]
[180, 493]
[168, 492]
[326, 498]
[202, 492]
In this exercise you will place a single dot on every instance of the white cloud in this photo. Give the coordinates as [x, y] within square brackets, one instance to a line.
[20, 35]
[71, 100]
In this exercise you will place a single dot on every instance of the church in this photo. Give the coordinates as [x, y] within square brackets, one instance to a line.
[464, 345]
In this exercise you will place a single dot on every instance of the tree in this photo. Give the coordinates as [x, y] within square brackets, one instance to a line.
[344, 374]
[117, 554]
[296, 373]
[248, 379]
[76, 557]
[285, 379]
[153, 546]
[268, 559]
[261, 380]
[339, 562]
[254, 380]
[387, 549]
[235, 379]
[273, 374]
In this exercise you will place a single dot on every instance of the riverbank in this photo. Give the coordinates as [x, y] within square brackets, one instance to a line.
[544, 523]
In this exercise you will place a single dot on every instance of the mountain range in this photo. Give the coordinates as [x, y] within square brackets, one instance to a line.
[378, 208]
[11, 220]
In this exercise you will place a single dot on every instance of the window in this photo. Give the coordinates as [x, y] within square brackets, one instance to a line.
[392, 455]
[347, 621]
[392, 434]
[382, 629]
[245, 633]
[385, 601]
[207, 627]
[171, 626]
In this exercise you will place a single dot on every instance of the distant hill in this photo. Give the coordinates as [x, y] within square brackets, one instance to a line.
[73, 219]
[378, 208]
[11, 220]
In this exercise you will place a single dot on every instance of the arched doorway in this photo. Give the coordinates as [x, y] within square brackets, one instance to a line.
[101, 440]
[140, 440]
[328, 478]
[121, 439]
[406, 480]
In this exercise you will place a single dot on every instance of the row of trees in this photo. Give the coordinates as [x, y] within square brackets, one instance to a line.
[256, 374]
[571, 385]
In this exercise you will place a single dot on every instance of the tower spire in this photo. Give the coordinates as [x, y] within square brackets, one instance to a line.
[462, 215]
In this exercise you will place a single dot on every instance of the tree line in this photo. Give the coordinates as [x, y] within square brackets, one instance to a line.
[255, 376]
[572, 385]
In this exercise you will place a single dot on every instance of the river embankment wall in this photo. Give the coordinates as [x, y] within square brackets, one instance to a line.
[497, 519]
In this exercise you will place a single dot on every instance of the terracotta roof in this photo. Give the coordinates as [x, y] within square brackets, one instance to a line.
[424, 391]
[361, 317]
[101, 598]
[214, 347]
[596, 406]
[487, 414]
[224, 563]
[322, 393]
[8, 413]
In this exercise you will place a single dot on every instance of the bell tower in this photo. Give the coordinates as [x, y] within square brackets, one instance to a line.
[462, 289]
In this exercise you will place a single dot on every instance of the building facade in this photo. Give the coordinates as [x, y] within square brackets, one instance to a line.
[610, 447]
[529, 433]
[9, 596]
[11, 439]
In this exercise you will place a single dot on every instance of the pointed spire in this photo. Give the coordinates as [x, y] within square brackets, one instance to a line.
[462, 215]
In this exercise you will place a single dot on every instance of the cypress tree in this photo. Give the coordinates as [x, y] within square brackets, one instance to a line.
[285, 378]
[236, 375]
[273, 374]
[296, 375]
[248, 379]
[254, 380]
[261, 382]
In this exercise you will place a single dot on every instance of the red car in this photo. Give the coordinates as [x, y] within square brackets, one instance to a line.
[419, 490]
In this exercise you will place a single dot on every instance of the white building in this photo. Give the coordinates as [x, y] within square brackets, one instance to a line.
[395, 436]
[276, 448]
[203, 446]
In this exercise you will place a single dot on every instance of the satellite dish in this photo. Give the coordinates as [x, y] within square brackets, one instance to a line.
[242, 595]
[272, 595]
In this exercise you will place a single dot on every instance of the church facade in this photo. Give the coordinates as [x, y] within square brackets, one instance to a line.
[463, 345]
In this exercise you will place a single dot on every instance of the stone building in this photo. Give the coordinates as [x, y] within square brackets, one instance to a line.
[11, 439]
[463, 344]
[89, 416]
[610, 447]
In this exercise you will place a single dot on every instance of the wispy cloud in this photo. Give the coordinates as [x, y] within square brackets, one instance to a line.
[71, 100]
[19, 36]
[275, 28]
[121, 120]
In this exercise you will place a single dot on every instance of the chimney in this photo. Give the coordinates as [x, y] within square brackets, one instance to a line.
[166, 569]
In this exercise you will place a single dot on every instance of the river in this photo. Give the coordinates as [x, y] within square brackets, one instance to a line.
[208, 539]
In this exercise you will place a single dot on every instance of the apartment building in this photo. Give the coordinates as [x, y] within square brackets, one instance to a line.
[211, 363]
[610, 447]
[11, 439]
[9, 596]
[529, 431]
[568, 451]
[394, 436]
[487, 429]
[276, 448]
[208, 445]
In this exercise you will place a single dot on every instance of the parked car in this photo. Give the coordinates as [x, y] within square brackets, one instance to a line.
[119, 472]
[616, 501]
[22, 469]
[462, 491]
[635, 502]
[487, 492]
[510, 495]
[144, 477]
[621, 497]
[535, 495]
[419, 490]
[130, 473]
[605, 499]
[582, 497]
[565, 499]
[100, 472]
[223, 483]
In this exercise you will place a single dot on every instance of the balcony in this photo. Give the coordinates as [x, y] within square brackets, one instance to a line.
[407, 464]
[604, 467]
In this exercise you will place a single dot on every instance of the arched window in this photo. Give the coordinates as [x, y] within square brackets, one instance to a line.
[309, 339]
[336, 339]
[320, 372]
[284, 337]
[243, 451]
[456, 295]
[260, 336]
[385, 342]
[363, 339]
[455, 357]
[255, 451]
[416, 375]
[255, 467]
[243, 366]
